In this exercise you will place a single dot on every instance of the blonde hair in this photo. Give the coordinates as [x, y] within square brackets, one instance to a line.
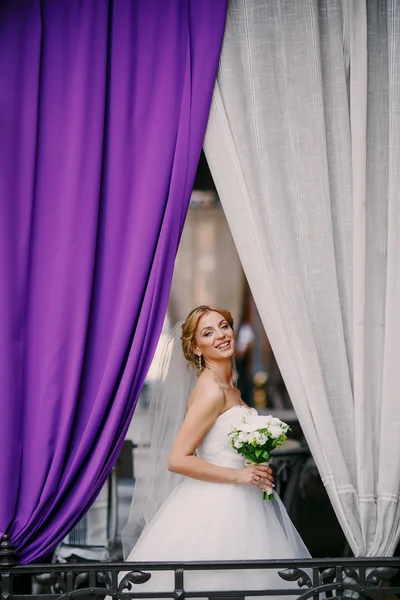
[189, 328]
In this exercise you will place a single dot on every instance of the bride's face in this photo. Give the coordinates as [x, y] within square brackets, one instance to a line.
[215, 339]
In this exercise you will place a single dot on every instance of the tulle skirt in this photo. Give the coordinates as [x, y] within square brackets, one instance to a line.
[204, 521]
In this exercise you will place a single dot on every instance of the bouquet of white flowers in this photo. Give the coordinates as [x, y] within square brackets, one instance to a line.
[255, 438]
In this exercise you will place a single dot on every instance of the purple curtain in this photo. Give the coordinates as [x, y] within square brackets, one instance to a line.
[103, 109]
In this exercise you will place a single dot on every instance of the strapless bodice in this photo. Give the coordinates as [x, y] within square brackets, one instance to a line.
[216, 447]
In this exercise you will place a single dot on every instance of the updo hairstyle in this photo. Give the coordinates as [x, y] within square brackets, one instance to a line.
[189, 328]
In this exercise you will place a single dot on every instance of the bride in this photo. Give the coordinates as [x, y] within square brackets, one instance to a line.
[201, 503]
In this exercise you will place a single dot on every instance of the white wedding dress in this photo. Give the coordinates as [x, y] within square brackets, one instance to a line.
[202, 521]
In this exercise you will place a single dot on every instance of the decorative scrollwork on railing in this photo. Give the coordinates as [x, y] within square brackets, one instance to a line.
[302, 578]
[133, 578]
[54, 581]
[340, 581]
[80, 580]
[327, 576]
[351, 573]
[376, 576]
[104, 577]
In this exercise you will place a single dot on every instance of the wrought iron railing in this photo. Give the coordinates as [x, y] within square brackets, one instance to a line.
[303, 579]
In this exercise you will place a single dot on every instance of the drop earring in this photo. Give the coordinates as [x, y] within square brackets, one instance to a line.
[199, 362]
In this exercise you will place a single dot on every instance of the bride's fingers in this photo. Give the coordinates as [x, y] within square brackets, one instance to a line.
[265, 468]
[265, 475]
[262, 482]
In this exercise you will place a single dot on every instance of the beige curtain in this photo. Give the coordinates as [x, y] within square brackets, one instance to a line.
[207, 268]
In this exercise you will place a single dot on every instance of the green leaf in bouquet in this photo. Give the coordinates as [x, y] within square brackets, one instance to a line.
[247, 454]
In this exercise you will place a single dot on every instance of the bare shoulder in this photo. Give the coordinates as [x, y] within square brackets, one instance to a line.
[207, 396]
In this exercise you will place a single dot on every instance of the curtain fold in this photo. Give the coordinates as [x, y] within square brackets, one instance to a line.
[103, 108]
[303, 144]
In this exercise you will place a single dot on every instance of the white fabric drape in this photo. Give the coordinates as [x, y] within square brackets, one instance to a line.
[303, 143]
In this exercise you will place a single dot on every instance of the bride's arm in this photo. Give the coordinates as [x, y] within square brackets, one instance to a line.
[206, 405]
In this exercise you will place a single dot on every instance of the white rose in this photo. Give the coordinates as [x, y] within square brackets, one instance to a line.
[242, 436]
[262, 439]
[247, 427]
[237, 443]
[275, 431]
[269, 419]
[255, 421]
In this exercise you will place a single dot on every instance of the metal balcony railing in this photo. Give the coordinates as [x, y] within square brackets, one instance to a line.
[370, 578]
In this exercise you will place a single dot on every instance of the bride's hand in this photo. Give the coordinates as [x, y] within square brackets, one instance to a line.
[258, 475]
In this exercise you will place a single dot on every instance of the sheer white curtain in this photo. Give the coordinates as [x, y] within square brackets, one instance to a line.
[304, 146]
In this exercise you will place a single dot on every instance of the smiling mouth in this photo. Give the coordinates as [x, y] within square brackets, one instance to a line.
[224, 345]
